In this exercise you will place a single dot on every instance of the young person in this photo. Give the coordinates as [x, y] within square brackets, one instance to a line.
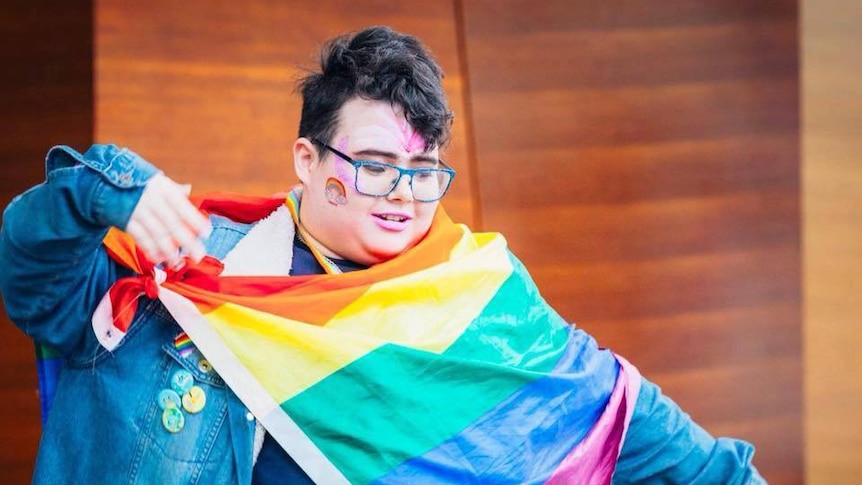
[153, 395]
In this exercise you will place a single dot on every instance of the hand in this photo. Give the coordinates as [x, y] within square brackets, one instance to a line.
[165, 222]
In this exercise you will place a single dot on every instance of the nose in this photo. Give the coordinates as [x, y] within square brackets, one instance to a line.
[402, 190]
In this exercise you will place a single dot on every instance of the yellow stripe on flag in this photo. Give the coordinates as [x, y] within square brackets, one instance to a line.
[427, 310]
[430, 309]
[285, 355]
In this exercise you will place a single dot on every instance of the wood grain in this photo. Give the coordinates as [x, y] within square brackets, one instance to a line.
[46, 98]
[206, 89]
[642, 159]
[832, 177]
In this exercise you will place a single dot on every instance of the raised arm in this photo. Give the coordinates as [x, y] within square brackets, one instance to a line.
[55, 269]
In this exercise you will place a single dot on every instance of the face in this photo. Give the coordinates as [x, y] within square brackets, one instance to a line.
[349, 225]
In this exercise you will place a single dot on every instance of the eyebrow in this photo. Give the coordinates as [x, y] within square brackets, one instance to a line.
[380, 153]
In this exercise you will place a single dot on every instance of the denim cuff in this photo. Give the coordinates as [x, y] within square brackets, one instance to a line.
[121, 167]
[123, 176]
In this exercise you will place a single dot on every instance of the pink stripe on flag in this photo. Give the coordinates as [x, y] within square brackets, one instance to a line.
[593, 460]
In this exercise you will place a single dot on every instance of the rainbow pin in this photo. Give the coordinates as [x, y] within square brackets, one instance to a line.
[184, 345]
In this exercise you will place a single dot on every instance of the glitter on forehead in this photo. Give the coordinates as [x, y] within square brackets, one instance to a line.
[411, 139]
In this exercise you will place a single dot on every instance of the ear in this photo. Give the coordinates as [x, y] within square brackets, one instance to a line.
[304, 159]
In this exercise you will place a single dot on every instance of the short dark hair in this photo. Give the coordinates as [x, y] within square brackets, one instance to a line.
[378, 64]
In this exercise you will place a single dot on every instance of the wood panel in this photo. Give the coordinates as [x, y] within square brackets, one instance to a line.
[205, 89]
[46, 98]
[642, 158]
[832, 177]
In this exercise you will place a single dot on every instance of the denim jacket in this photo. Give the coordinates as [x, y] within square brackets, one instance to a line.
[105, 423]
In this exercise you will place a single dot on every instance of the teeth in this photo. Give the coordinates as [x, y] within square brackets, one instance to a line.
[388, 217]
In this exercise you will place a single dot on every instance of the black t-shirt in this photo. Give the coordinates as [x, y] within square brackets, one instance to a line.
[274, 466]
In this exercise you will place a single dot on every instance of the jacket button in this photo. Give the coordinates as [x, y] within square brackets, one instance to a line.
[205, 366]
[249, 416]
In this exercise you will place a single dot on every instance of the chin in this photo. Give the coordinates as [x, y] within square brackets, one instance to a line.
[383, 254]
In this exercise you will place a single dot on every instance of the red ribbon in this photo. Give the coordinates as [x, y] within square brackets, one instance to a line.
[126, 292]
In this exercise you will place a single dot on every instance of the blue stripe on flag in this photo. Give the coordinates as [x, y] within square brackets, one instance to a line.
[524, 438]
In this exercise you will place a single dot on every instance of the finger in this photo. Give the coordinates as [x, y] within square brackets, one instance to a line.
[183, 221]
[176, 264]
[187, 225]
[189, 243]
[196, 250]
[189, 215]
[166, 221]
[143, 240]
[167, 247]
[159, 224]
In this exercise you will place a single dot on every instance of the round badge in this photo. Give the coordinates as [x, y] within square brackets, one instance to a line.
[173, 419]
[182, 381]
[168, 398]
[194, 400]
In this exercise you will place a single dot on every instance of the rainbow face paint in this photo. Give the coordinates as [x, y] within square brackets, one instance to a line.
[335, 192]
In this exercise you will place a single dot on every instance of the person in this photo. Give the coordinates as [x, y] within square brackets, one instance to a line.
[147, 401]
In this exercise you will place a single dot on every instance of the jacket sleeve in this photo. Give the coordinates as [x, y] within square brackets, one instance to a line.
[55, 270]
[664, 445]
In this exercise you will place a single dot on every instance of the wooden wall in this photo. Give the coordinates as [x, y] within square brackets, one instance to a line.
[832, 180]
[206, 89]
[643, 160]
[641, 157]
[46, 98]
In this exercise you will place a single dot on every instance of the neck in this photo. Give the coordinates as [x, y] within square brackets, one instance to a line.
[309, 238]
[313, 242]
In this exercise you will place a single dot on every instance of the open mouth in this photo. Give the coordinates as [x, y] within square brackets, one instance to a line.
[391, 217]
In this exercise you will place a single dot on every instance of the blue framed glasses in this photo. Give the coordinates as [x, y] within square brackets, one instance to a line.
[379, 179]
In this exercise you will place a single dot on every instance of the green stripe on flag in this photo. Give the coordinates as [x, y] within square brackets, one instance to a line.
[517, 327]
[403, 402]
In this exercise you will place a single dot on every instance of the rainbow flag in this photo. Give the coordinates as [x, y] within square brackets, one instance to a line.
[441, 366]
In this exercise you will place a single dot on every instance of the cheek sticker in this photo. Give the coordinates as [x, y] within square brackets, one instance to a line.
[335, 193]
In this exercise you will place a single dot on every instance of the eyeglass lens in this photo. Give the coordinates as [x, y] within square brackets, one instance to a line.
[379, 179]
